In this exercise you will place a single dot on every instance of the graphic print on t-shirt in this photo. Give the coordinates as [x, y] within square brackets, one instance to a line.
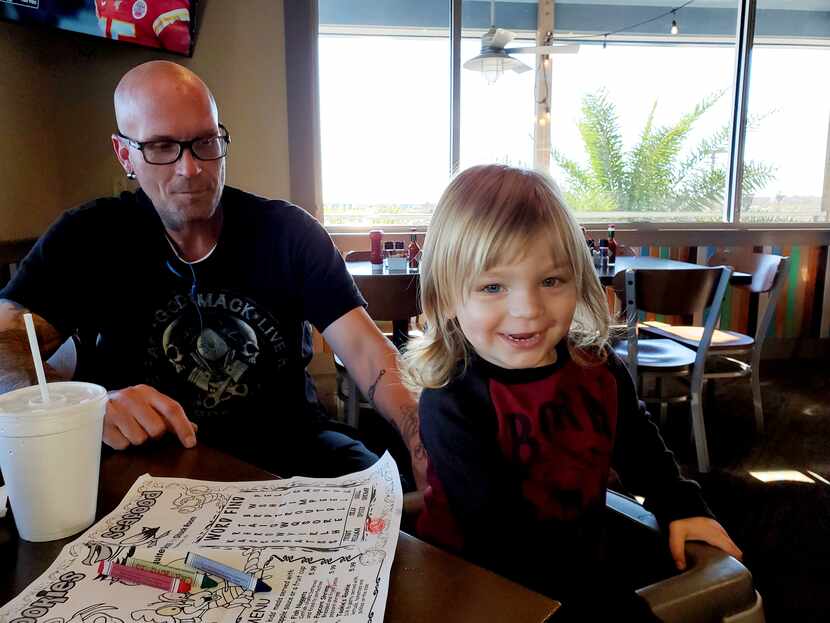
[558, 432]
[215, 348]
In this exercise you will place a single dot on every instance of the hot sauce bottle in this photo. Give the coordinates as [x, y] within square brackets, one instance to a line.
[612, 245]
[413, 250]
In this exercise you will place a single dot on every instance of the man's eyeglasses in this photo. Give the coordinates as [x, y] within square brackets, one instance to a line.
[169, 151]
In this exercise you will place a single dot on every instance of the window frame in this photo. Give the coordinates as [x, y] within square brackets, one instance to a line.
[301, 19]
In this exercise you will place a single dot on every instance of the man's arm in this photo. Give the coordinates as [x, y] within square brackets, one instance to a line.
[16, 366]
[134, 414]
[372, 361]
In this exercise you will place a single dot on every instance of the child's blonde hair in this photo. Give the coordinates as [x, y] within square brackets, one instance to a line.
[487, 216]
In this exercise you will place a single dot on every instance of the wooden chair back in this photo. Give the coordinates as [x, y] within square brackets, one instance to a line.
[390, 297]
[358, 256]
[671, 291]
[764, 267]
[667, 291]
[769, 275]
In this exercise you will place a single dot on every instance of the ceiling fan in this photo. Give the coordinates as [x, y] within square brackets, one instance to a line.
[494, 59]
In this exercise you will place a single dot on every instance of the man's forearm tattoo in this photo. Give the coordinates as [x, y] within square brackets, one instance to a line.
[374, 386]
[410, 430]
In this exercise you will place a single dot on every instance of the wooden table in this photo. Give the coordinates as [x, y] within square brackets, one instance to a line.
[362, 271]
[606, 274]
[426, 583]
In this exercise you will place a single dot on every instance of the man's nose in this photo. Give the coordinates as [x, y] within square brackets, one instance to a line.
[525, 304]
[188, 165]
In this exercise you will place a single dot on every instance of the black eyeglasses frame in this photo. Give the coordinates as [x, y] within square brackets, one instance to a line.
[141, 145]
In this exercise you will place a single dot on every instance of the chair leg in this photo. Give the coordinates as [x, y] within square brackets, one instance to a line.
[664, 406]
[340, 405]
[699, 432]
[756, 399]
[353, 403]
[709, 390]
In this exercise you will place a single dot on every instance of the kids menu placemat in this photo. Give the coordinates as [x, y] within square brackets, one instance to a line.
[324, 547]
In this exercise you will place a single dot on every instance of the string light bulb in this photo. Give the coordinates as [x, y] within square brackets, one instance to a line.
[674, 28]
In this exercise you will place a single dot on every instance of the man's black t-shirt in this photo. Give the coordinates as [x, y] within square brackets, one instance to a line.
[227, 336]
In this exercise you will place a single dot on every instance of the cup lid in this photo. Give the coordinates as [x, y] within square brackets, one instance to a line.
[24, 414]
[28, 400]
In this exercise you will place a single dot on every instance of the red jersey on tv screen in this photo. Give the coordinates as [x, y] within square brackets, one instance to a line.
[153, 23]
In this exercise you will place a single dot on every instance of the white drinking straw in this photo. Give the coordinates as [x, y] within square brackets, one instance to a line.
[41, 376]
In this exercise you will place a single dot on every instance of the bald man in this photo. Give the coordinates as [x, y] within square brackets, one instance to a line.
[197, 299]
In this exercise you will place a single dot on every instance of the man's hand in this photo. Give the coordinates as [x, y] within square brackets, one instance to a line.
[698, 529]
[138, 413]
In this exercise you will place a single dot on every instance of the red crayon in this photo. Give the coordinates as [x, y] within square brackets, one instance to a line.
[142, 576]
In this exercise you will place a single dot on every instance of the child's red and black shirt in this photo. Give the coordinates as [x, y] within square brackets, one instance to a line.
[520, 461]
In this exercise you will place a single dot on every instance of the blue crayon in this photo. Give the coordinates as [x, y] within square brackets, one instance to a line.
[234, 576]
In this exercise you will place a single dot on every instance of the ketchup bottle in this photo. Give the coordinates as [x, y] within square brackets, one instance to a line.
[376, 255]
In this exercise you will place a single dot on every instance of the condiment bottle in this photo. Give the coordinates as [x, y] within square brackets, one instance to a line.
[588, 239]
[413, 250]
[375, 254]
[603, 253]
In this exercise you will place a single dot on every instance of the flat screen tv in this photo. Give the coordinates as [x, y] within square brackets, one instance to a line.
[165, 24]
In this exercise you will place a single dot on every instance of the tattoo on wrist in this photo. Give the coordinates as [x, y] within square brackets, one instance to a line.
[374, 386]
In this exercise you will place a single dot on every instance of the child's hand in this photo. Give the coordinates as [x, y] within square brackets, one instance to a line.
[698, 529]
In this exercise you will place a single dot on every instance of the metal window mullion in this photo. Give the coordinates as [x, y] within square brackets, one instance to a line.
[737, 133]
[543, 87]
[455, 85]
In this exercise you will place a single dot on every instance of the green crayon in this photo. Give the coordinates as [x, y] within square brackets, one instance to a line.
[196, 578]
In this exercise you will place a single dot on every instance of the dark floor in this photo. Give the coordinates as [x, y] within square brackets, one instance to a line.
[783, 527]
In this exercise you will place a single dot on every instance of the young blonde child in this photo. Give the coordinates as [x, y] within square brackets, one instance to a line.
[524, 409]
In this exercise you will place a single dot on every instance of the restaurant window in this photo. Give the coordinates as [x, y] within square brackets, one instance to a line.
[497, 110]
[384, 113]
[787, 158]
[639, 114]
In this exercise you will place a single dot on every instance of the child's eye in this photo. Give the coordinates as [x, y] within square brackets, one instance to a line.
[491, 288]
[551, 282]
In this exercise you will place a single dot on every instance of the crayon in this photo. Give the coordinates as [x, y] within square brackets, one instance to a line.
[195, 578]
[234, 576]
[142, 576]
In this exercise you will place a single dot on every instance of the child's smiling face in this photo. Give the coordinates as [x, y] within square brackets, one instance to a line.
[516, 313]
